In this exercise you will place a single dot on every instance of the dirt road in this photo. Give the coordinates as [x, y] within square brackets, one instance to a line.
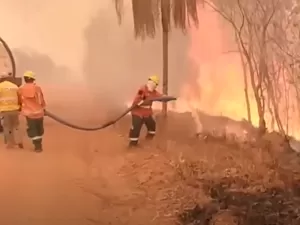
[78, 179]
[88, 178]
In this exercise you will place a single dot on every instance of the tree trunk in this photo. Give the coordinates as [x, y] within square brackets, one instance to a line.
[274, 101]
[165, 14]
[246, 92]
[165, 69]
[256, 89]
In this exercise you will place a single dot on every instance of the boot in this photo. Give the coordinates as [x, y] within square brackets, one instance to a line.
[20, 145]
[8, 140]
[149, 136]
[133, 144]
[38, 145]
[9, 146]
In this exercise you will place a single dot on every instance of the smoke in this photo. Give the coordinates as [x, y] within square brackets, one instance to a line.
[116, 64]
[53, 27]
[103, 63]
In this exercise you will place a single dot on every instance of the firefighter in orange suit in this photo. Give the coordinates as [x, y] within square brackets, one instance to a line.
[143, 114]
[33, 106]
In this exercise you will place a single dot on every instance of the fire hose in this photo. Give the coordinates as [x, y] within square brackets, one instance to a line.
[111, 122]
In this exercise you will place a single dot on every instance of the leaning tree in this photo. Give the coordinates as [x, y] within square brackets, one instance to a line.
[150, 15]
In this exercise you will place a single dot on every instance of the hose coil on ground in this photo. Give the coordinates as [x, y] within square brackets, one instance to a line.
[109, 123]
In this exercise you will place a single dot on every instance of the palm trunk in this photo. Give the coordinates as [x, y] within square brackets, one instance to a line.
[165, 17]
[165, 69]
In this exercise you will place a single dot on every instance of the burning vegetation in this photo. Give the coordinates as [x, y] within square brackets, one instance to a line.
[266, 72]
[249, 98]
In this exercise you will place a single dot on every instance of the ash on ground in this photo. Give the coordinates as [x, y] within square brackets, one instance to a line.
[272, 206]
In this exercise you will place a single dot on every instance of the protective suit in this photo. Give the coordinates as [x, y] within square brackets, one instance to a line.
[32, 107]
[143, 114]
[9, 110]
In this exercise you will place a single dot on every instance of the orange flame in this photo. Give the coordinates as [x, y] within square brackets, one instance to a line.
[217, 82]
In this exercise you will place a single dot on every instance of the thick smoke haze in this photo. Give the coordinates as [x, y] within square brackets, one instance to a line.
[79, 49]
[49, 27]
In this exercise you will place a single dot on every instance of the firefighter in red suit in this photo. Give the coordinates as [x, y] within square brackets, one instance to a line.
[143, 114]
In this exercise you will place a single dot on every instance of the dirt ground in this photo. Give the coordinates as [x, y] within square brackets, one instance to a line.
[91, 178]
[80, 178]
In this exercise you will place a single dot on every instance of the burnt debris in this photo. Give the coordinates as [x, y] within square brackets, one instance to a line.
[273, 206]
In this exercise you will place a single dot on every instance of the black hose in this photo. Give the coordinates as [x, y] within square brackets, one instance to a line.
[10, 55]
[109, 123]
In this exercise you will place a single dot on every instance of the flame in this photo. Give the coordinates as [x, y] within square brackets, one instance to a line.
[216, 84]
[219, 86]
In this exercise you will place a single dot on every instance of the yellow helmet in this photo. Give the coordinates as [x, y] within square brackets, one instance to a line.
[155, 79]
[29, 74]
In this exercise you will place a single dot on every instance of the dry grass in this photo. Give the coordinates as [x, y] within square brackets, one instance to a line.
[214, 182]
[246, 186]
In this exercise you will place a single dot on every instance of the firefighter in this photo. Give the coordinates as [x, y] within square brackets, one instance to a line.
[143, 114]
[33, 106]
[9, 108]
